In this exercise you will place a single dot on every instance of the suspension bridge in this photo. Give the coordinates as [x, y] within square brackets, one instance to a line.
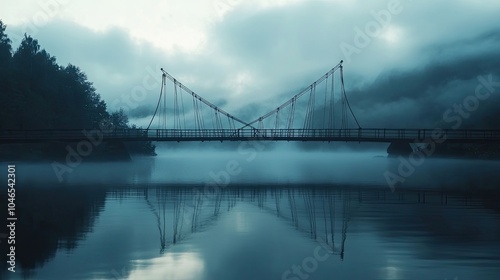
[319, 112]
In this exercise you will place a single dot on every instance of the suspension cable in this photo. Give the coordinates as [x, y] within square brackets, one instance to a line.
[288, 102]
[182, 106]
[345, 95]
[332, 103]
[206, 102]
[163, 82]
[325, 103]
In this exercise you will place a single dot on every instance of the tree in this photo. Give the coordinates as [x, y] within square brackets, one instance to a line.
[31, 68]
[37, 93]
[119, 120]
[5, 58]
[79, 98]
[65, 97]
[5, 47]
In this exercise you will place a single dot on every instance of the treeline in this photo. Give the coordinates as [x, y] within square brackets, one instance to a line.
[37, 93]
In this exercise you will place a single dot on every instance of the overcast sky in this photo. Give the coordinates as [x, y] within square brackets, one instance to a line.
[404, 60]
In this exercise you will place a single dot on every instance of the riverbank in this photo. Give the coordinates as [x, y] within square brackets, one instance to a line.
[111, 151]
[447, 150]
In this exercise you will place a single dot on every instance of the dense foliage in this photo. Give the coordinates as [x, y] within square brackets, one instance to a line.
[37, 93]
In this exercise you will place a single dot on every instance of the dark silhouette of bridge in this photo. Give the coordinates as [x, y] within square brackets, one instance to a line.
[319, 112]
[319, 135]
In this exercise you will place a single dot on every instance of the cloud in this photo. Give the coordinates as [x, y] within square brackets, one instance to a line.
[249, 58]
[111, 60]
[420, 96]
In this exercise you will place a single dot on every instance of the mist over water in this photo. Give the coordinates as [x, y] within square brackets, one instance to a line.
[264, 212]
[282, 167]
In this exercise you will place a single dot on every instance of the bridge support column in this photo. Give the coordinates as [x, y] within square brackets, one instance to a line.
[399, 148]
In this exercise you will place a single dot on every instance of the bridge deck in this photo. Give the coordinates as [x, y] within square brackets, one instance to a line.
[184, 135]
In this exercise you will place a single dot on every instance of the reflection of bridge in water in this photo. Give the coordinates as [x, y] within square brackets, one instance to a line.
[186, 212]
[322, 214]
[319, 213]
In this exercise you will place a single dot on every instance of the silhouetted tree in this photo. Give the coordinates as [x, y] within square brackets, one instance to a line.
[37, 93]
[119, 119]
[5, 60]
[5, 47]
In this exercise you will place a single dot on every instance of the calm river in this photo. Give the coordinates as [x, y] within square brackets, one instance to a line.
[267, 215]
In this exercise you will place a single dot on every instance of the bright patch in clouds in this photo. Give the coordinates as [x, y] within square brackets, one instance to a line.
[170, 25]
[238, 83]
[392, 34]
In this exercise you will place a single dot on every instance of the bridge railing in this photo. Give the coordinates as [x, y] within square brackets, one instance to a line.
[70, 134]
[339, 134]
[366, 134]
[436, 134]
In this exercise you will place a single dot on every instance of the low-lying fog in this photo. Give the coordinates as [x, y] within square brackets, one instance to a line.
[251, 163]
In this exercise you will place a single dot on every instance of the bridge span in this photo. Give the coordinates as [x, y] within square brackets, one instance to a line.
[382, 135]
[320, 112]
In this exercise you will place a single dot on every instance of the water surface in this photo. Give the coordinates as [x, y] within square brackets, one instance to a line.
[267, 215]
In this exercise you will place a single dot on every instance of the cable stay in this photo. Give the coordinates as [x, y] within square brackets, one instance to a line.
[196, 99]
[326, 119]
[314, 115]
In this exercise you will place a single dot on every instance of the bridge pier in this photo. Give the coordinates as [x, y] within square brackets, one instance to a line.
[399, 148]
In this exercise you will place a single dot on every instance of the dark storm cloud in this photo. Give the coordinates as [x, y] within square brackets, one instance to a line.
[141, 111]
[421, 96]
[279, 37]
[291, 46]
[285, 47]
